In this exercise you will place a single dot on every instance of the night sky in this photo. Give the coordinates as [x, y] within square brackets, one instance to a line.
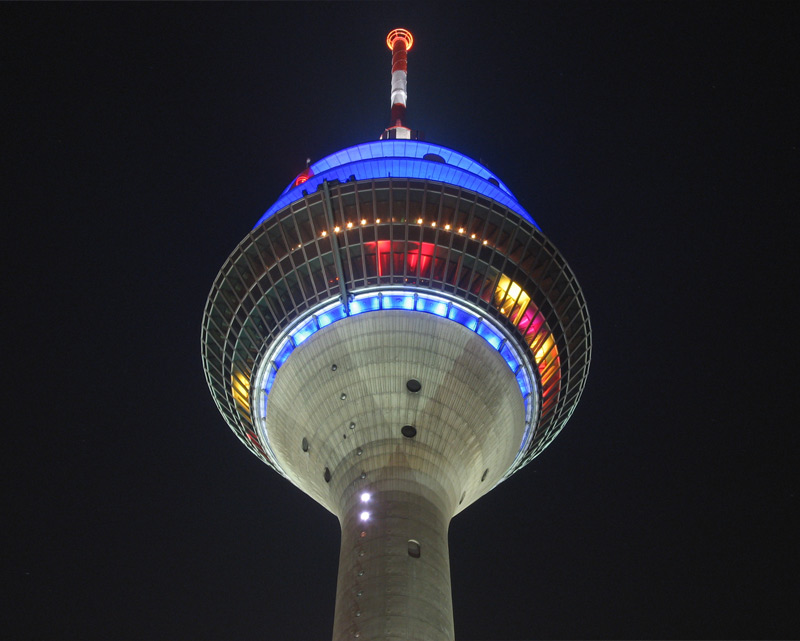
[655, 144]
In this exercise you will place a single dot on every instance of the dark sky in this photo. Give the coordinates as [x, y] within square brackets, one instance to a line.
[656, 145]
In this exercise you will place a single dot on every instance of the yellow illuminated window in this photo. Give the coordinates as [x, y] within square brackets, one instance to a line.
[240, 388]
[511, 299]
[515, 303]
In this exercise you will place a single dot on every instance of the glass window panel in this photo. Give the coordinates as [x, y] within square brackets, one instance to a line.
[350, 213]
[329, 270]
[279, 247]
[304, 226]
[290, 232]
[415, 206]
[365, 205]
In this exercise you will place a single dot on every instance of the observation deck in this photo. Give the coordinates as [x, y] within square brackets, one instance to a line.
[388, 225]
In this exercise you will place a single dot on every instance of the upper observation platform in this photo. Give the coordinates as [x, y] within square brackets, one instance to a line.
[399, 159]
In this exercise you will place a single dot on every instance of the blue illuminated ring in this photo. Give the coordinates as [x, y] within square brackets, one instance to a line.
[392, 299]
[401, 159]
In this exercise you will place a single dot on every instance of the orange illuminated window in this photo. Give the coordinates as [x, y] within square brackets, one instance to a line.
[514, 303]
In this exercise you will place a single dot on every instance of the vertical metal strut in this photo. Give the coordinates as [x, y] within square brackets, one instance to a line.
[337, 257]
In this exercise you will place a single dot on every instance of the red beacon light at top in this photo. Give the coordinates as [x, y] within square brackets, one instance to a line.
[303, 176]
[399, 34]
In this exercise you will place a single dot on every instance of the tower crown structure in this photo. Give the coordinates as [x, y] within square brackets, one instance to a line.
[396, 336]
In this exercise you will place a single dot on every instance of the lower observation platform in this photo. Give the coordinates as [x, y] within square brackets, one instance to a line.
[390, 398]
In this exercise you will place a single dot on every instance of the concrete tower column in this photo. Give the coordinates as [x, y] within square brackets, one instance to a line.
[394, 567]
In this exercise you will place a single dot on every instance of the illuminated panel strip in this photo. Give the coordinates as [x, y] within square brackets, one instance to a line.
[401, 168]
[240, 388]
[399, 159]
[514, 303]
[407, 300]
[403, 149]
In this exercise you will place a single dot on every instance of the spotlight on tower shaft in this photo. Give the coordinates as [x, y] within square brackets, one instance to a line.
[396, 329]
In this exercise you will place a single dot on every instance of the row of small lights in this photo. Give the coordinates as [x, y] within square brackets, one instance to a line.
[365, 497]
[420, 221]
[364, 517]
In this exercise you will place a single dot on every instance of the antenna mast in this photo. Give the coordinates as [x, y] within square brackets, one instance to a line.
[399, 42]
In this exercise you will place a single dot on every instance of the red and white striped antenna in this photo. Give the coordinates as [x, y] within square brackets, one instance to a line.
[399, 42]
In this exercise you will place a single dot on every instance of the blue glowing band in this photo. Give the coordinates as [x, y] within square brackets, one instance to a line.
[410, 301]
[270, 378]
[286, 351]
[401, 159]
[332, 315]
[524, 383]
[305, 330]
[510, 358]
[402, 149]
[394, 299]
[491, 336]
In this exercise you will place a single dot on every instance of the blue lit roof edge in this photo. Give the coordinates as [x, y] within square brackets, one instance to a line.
[364, 165]
[401, 149]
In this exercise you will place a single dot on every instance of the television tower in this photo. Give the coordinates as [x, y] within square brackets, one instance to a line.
[396, 336]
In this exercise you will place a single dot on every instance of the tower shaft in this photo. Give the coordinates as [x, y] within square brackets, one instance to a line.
[394, 567]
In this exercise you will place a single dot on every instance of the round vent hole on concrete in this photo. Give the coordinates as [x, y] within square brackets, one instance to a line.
[414, 550]
[485, 472]
[409, 431]
[327, 475]
[305, 444]
[413, 385]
